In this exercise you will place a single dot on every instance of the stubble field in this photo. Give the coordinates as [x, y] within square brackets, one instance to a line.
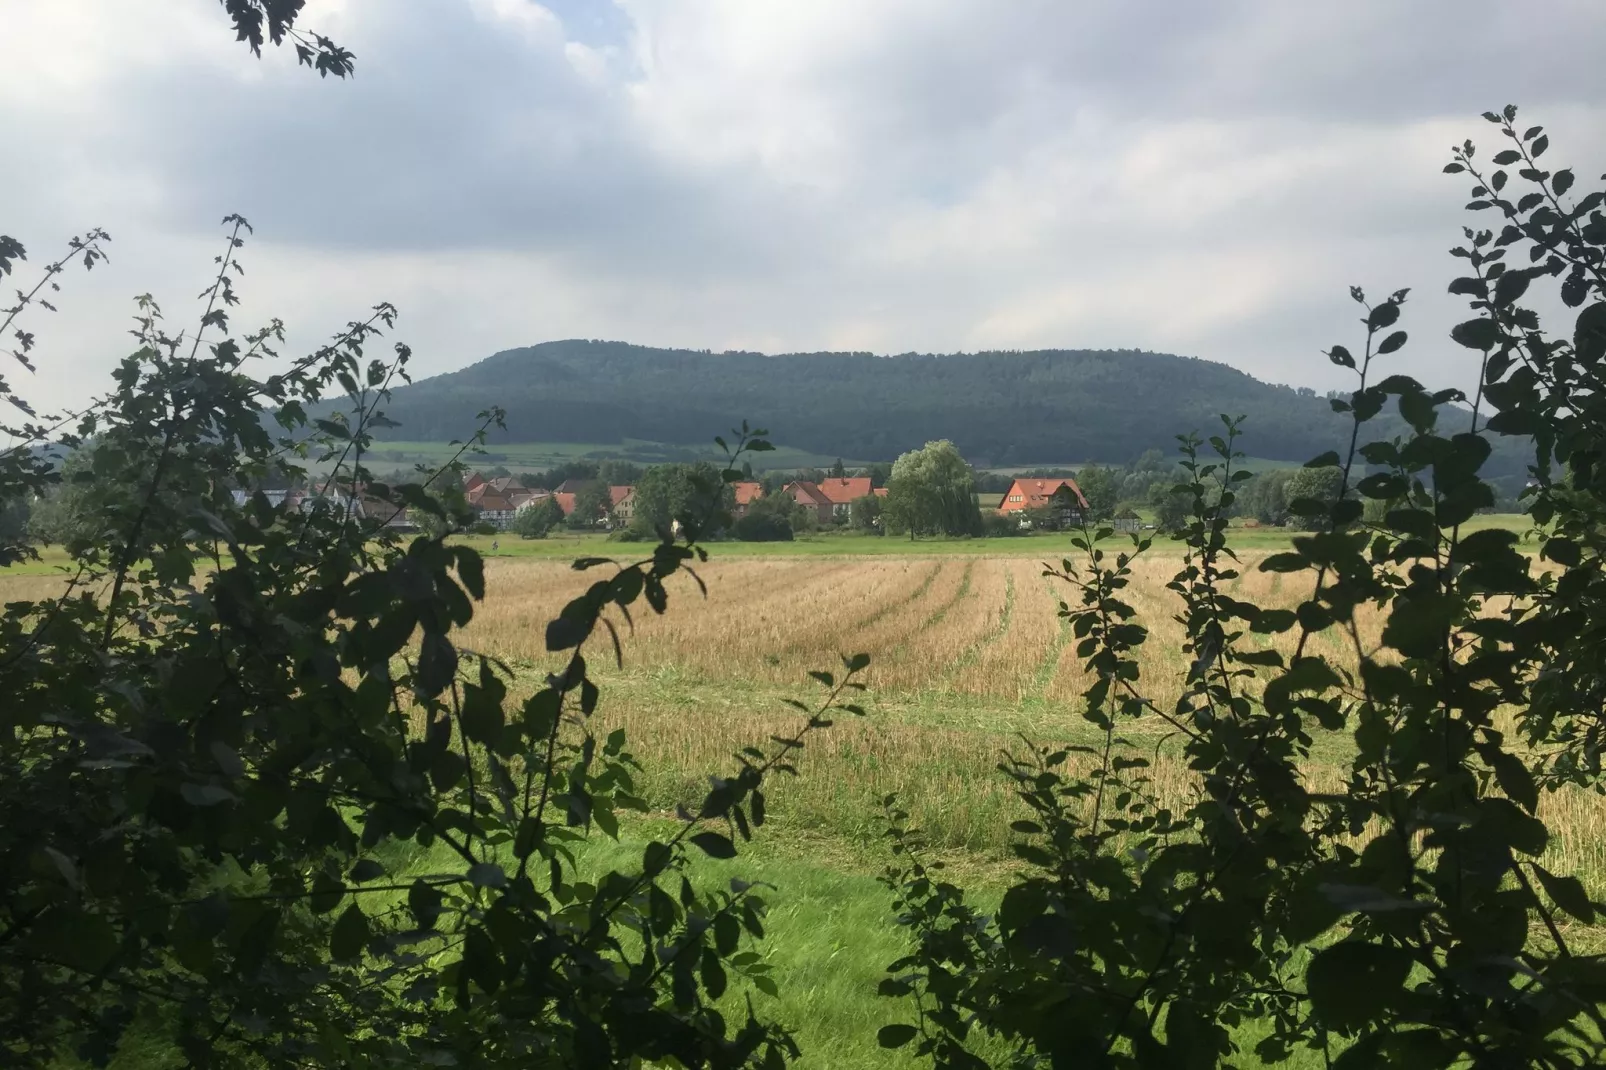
[969, 660]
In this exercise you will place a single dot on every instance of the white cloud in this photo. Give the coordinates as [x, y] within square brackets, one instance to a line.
[913, 174]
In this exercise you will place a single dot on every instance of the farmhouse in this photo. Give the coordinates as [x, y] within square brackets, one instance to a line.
[746, 494]
[1062, 497]
[832, 499]
[622, 504]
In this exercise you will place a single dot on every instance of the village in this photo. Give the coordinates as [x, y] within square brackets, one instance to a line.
[828, 501]
[496, 502]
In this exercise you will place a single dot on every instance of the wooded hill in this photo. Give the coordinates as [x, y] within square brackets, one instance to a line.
[1000, 409]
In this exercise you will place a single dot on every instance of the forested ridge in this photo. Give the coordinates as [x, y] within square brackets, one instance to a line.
[999, 408]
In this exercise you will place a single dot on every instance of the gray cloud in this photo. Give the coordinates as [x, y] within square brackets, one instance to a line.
[1205, 178]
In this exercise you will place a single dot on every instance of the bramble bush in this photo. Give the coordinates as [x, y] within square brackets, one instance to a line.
[259, 808]
[1405, 920]
[235, 739]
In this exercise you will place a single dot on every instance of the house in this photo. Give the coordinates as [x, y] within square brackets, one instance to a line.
[746, 494]
[832, 499]
[494, 506]
[810, 496]
[622, 504]
[1062, 497]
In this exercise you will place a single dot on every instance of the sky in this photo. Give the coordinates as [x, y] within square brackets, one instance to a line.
[1203, 177]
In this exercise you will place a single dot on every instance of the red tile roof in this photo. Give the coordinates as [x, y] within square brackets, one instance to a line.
[619, 494]
[807, 493]
[747, 493]
[1035, 493]
[565, 501]
[842, 491]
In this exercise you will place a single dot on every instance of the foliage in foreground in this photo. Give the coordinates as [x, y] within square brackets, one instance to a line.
[1402, 918]
[239, 721]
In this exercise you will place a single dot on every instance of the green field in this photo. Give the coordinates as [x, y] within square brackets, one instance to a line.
[564, 544]
[539, 456]
[1252, 464]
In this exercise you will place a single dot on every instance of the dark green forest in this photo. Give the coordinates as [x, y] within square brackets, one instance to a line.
[1001, 408]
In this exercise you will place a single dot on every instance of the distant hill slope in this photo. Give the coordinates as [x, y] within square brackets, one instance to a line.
[1013, 408]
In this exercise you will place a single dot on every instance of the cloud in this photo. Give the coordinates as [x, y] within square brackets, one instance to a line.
[913, 174]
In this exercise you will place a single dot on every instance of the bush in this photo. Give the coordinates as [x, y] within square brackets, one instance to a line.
[1403, 918]
[1001, 525]
[212, 841]
[762, 527]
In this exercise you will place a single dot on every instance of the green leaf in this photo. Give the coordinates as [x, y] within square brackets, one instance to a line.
[1384, 315]
[1341, 356]
[1476, 334]
[1507, 157]
[1589, 333]
[487, 875]
[1417, 625]
[437, 664]
[1509, 287]
[1392, 342]
[1514, 778]
[471, 570]
[896, 1036]
[1352, 983]
[1511, 826]
[1273, 620]
[73, 938]
[714, 845]
[1568, 893]
[424, 900]
[1285, 562]
[566, 631]
[367, 869]
[350, 934]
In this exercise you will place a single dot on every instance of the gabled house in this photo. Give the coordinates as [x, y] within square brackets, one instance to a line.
[832, 499]
[494, 506]
[1061, 497]
[746, 494]
[810, 496]
[622, 504]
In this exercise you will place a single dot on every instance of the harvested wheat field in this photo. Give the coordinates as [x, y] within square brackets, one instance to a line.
[969, 660]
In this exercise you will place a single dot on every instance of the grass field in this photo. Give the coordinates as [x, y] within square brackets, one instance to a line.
[968, 657]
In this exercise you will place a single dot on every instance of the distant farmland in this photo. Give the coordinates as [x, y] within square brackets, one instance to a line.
[537, 456]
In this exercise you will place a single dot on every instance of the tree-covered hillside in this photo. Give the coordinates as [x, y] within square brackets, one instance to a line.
[1014, 408]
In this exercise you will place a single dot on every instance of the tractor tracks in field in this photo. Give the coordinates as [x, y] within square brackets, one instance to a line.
[963, 591]
[1048, 668]
[972, 653]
